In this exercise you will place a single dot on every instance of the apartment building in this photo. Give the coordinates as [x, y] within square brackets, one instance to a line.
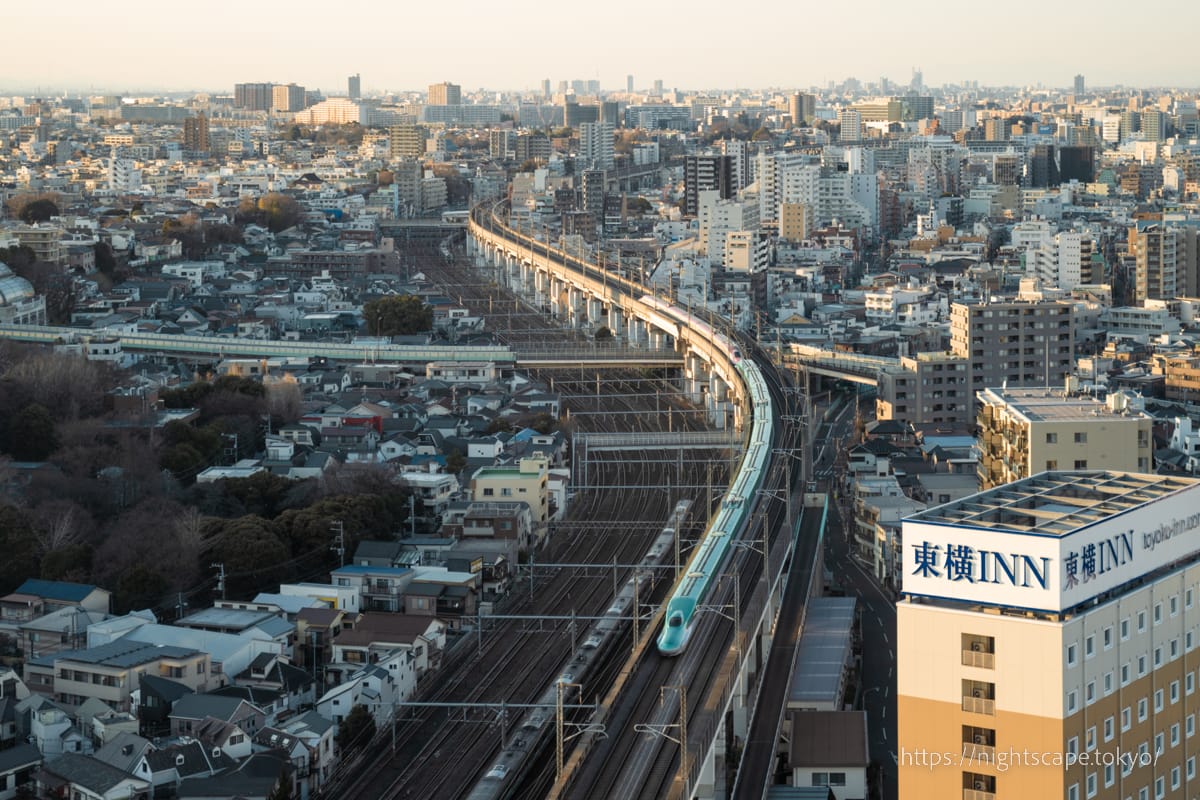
[1046, 641]
[1013, 343]
[1024, 431]
[928, 388]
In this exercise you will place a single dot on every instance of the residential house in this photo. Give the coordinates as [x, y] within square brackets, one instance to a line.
[527, 482]
[180, 761]
[829, 748]
[111, 672]
[18, 767]
[255, 778]
[155, 699]
[36, 597]
[190, 713]
[377, 636]
[81, 777]
[380, 588]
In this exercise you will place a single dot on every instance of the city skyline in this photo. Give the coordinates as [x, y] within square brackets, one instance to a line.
[648, 42]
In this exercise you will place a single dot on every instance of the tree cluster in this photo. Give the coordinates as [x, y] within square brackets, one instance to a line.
[273, 210]
[32, 207]
[399, 315]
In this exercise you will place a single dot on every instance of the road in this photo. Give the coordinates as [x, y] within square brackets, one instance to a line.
[878, 616]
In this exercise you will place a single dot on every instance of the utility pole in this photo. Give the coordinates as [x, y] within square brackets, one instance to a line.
[180, 606]
[340, 547]
[220, 568]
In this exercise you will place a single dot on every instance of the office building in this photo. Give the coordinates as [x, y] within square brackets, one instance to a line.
[1010, 344]
[1080, 87]
[545, 88]
[658, 87]
[1029, 430]
[997, 129]
[739, 158]
[918, 107]
[1077, 163]
[253, 96]
[287, 98]
[596, 145]
[354, 87]
[1046, 641]
[195, 134]
[1043, 167]
[703, 173]
[629, 84]
[444, 94]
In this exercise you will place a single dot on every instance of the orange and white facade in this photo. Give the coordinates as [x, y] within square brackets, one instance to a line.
[1048, 641]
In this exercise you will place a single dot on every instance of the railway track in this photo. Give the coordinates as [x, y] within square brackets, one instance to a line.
[434, 754]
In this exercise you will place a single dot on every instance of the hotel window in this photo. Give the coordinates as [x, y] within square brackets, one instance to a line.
[1174, 692]
[1072, 701]
[1091, 738]
[1160, 742]
[1089, 646]
[1187, 599]
[1157, 613]
[1143, 710]
[1157, 657]
[1108, 637]
[1070, 655]
[1158, 701]
[1108, 728]
[1191, 768]
[1189, 683]
[1051, 438]
[1175, 735]
[1110, 776]
[1187, 640]
[1073, 792]
[1141, 666]
[1174, 777]
[1189, 725]
[1091, 784]
[1108, 683]
[1073, 746]
[1080, 437]
[1141, 621]
[1124, 630]
[1081, 463]
[1126, 719]
[1174, 605]
[1174, 645]
[1089, 695]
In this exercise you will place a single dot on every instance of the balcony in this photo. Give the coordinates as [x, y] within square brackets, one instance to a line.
[979, 753]
[975, 658]
[975, 794]
[979, 705]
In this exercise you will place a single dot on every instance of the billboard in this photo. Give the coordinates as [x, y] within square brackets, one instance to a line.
[1044, 571]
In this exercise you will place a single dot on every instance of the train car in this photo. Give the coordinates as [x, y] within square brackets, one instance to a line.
[683, 609]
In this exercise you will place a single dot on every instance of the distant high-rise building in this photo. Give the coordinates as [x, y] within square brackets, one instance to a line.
[253, 96]
[610, 111]
[596, 145]
[918, 81]
[802, 107]
[195, 133]
[850, 122]
[1154, 252]
[406, 141]
[1154, 125]
[546, 87]
[444, 94]
[997, 129]
[739, 154]
[918, 107]
[706, 173]
[1077, 163]
[1079, 85]
[658, 87]
[629, 84]
[1043, 167]
[354, 86]
[287, 97]
[1130, 123]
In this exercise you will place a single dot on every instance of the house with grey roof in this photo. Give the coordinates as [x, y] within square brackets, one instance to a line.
[18, 767]
[192, 710]
[74, 775]
[253, 779]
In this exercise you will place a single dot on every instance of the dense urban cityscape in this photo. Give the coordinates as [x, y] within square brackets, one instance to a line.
[819, 443]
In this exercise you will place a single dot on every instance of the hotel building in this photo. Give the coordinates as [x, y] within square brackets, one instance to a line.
[1054, 619]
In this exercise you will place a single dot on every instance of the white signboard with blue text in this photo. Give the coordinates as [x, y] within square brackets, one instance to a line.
[1045, 572]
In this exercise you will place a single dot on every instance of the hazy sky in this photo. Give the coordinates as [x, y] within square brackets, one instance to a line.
[514, 44]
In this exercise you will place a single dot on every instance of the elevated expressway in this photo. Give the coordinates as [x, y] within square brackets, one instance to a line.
[722, 672]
